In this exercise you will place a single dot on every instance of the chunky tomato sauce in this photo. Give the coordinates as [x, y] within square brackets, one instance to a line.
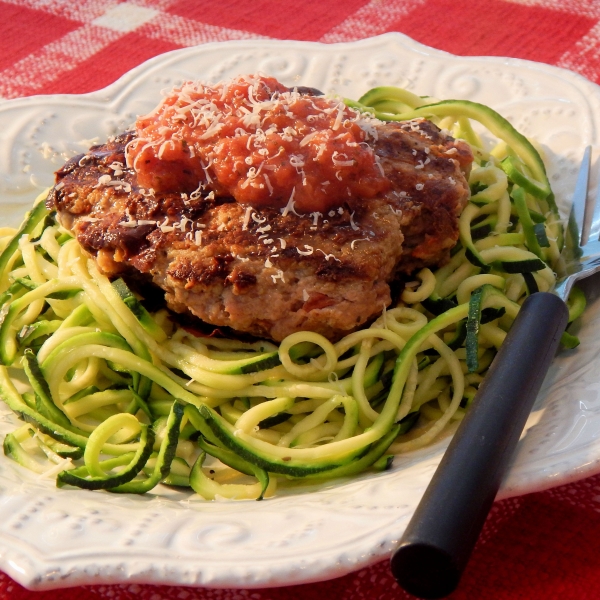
[259, 142]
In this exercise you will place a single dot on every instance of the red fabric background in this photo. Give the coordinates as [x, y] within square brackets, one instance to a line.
[541, 546]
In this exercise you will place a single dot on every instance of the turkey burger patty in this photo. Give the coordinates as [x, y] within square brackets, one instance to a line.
[265, 209]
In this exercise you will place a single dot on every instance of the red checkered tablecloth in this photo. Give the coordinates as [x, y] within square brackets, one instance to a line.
[541, 546]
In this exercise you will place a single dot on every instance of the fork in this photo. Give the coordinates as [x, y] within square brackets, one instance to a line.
[581, 260]
[437, 543]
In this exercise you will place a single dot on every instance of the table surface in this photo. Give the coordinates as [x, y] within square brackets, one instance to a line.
[543, 545]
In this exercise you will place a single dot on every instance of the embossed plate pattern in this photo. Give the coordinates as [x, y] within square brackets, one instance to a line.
[53, 538]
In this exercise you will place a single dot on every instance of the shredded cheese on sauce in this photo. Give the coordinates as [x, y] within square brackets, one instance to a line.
[229, 135]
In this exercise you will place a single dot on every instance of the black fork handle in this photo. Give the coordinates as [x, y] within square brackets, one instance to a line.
[440, 537]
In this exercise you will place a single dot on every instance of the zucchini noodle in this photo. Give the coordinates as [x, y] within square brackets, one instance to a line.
[120, 399]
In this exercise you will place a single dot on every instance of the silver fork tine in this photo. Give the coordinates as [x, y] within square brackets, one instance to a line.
[595, 228]
[578, 261]
[580, 194]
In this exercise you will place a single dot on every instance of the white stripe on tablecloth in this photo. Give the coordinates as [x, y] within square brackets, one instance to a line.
[372, 19]
[585, 8]
[77, 10]
[50, 62]
[186, 32]
[584, 56]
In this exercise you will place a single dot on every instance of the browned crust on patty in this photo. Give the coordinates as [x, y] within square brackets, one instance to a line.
[262, 272]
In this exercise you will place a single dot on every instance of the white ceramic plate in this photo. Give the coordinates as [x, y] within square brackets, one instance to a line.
[53, 538]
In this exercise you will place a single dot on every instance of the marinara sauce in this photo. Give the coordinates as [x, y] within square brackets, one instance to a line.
[259, 142]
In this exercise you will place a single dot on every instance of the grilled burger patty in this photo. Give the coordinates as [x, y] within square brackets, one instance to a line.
[267, 271]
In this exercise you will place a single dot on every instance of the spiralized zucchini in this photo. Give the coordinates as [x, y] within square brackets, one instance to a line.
[120, 399]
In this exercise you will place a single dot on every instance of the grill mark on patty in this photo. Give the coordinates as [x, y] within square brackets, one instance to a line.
[334, 272]
[192, 274]
[242, 281]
